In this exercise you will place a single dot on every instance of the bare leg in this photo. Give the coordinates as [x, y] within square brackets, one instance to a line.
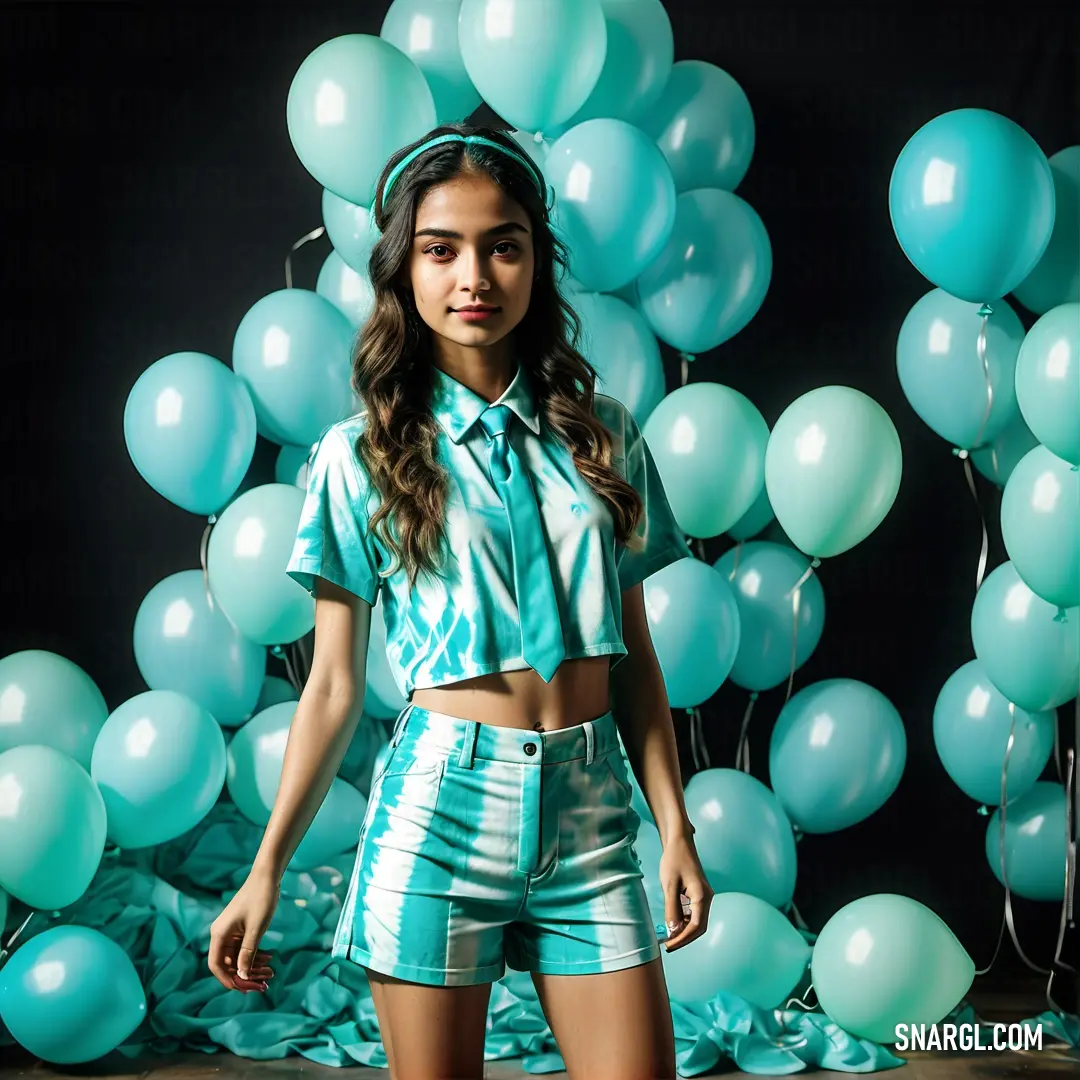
[431, 1032]
[615, 1026]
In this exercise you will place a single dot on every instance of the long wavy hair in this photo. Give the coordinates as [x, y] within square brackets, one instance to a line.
[393, 359]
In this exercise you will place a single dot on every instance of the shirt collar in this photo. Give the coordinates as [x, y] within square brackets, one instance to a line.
[457, 408]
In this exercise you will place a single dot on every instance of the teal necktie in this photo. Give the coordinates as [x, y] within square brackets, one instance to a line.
[538, 609]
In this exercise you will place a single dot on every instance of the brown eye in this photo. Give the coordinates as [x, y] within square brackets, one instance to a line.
[507, 244]
[436, 248]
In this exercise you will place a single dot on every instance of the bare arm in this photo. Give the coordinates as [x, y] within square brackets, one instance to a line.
[323, 726]
[641, 709]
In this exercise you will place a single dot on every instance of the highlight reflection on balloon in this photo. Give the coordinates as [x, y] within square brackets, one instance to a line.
[972, 722]
[884, 960]
[1029, 654]
[49, 700]
[70, 995]
[1040, 525]
[159, 763]
[1048, 381]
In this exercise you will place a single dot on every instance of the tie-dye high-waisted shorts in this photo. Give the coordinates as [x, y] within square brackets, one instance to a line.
[486, 846]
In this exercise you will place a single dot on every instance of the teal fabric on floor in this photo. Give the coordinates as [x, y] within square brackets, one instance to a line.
[158, 905]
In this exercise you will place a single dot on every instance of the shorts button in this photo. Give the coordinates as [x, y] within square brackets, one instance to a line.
[530, 748]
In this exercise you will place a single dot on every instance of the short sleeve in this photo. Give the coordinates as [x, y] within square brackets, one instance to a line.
[663, 542]
[332, 539]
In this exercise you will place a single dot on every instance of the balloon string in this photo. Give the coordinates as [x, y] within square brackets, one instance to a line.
[313, 235]
[685, 360]
[742, 751]
[204, 545]
[702, 748]
[796, 596]
[1070, 882]
[1008, 919]
[5, 952]
[735, 562]
[985, 548]
[802, 1003]
[290, 671]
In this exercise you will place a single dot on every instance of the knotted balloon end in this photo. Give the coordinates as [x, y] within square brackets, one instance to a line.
[688, 357]
[277, 651]
[1061, 616]
[960, 453]
[983, 811]
[754, 695]
[212, 519]
[815, 562]
[985, 310]
[538, 137]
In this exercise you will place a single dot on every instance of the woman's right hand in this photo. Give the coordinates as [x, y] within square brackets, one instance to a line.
[235, 959]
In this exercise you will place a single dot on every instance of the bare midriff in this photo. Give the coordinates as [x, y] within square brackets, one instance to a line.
[578, 691]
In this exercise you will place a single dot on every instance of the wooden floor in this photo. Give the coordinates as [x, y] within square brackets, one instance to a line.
[1004, 1006]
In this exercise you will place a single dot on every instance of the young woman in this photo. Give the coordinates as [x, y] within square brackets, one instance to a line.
[507, 515]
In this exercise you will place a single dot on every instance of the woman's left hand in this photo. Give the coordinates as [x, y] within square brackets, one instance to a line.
[687, 894]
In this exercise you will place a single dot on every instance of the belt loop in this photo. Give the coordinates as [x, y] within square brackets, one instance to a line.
[590, 742]
[399, 724]
[468, 745]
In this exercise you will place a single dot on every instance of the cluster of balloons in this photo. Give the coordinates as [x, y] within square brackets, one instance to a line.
[881, 960]
[829, 472]
[136, 777]
[982, 213]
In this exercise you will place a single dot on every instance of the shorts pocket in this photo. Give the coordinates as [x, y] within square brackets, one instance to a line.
[617, 767]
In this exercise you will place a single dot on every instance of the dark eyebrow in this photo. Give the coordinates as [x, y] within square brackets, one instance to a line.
[498, 230]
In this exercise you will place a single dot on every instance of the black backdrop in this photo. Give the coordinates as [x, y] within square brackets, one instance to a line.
[151, 194]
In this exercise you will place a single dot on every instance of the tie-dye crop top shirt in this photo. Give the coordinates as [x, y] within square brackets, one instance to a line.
[463, 622]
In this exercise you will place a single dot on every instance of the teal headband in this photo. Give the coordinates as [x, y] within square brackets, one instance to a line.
[468, 140]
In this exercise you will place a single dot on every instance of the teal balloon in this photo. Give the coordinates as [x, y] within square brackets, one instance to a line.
[1048, 381]
[256, 755]
[534, 64]
[971, 198]
[537, 151]
[832, 469]
[247, 554]
[274, 691]
[884, 960]
[159, 764]
[997, 459]
[755, 520]
[52, 835]
[617, 221]
[743, 837]
[70, 995]
[1040, 525]
[185, 643]
[291, 466]
[351, 293]
[1036, 836]
[49, 700]
[622, 349]
[704, 124]
[708, 442]
[426, 31]
[711, 278]
[836, 754]
[292, 349]
[189, 426]
[972, 722]
[637, 65]
[772, 619]
[749, 948]
[1056, 277]
[353, 102]
[351, 229]
[694, 624]
[1030, 654]
[940, 372]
